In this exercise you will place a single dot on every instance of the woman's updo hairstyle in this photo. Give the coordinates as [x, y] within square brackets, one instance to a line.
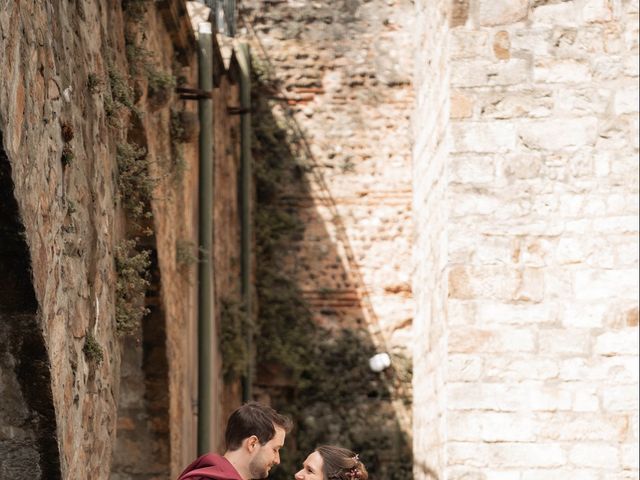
[341, 464]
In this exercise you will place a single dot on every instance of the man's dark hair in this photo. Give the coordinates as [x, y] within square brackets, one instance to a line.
[254, 418]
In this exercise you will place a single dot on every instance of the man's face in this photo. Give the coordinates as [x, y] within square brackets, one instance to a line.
[267, 455]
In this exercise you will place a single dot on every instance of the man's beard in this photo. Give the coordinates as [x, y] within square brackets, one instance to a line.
[257, 471]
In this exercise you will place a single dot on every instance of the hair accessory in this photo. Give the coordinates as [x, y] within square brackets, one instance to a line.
[354, 473]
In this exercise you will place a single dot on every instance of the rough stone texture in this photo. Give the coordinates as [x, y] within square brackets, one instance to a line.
[28, 440]
[73, 219]
[345, 70]
[430, 148]
[344, 86]
[45, 70]
[540, 239]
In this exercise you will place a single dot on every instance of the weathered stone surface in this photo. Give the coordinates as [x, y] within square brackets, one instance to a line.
[541, 308]
[502, 12]
[60, 138]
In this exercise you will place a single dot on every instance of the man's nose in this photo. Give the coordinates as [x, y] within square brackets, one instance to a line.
[298, 476]
[277, 461]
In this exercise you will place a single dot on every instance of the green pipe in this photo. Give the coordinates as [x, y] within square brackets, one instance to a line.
[205, 232]
[244, 60]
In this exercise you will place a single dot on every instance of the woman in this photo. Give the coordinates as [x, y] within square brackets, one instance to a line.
[332, 463]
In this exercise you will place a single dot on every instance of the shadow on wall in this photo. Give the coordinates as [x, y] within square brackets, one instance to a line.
[426, 472]
[28, 441]
[142, 448]
[313, 345]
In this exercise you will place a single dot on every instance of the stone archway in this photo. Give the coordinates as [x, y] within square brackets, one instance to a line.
[28, 440]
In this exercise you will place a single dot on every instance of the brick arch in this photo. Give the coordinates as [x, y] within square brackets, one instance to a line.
[29, 448]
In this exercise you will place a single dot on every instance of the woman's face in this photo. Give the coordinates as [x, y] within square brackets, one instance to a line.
[311, 468]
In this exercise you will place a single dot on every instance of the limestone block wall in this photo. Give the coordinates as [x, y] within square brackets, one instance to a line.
[430, 168]
[542, 240]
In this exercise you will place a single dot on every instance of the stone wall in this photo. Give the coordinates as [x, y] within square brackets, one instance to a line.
[541, 358]
[430, 170]
[67, 210]
[82, 81]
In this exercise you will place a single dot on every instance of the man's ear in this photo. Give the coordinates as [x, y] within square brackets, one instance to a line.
[251, 443]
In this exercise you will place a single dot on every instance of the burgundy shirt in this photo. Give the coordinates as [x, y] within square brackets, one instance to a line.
[210, 466]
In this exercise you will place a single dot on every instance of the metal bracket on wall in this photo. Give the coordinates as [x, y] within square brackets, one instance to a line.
[186, 93]
[238, 110]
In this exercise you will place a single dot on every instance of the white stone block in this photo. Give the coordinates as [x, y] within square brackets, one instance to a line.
[626, 100]
[620, 399]
[532, 285]
[573, 427]
[466, 340]
[594, 456]
[504, 397]
[494, 313]
[606, 284]
[501, 12]
[502, 475]
[607, 68]
[563, 14]
[464, 368]
[532, 40]
[573, 100]
[561, 71]
[483, 73]
[499, 137]
[469, 202]
[508, 454]
[469, 44]
[587, 315]
[617, 370]
[490, 427]
[472, 169]
[558, 134]
[561, 474]
[563, 341]
[617, 224]
[632, 66]
[508, 368]
[585, 401]
[597, 11]
[630, 456]
[622, 342]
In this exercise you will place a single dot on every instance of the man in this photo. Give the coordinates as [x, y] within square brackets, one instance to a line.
[254, 436]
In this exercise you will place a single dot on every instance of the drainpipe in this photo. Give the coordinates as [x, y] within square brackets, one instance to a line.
[205, 231]
[244, 60]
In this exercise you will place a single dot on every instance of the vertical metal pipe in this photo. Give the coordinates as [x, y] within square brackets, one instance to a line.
[244, 60]
[205, 240]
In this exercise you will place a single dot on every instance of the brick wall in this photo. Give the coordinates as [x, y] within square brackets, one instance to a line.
[345, 72]
[342, 103]
[542, 240]
[62, 216]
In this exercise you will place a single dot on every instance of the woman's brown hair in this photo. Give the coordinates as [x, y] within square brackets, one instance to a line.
[341, 464]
